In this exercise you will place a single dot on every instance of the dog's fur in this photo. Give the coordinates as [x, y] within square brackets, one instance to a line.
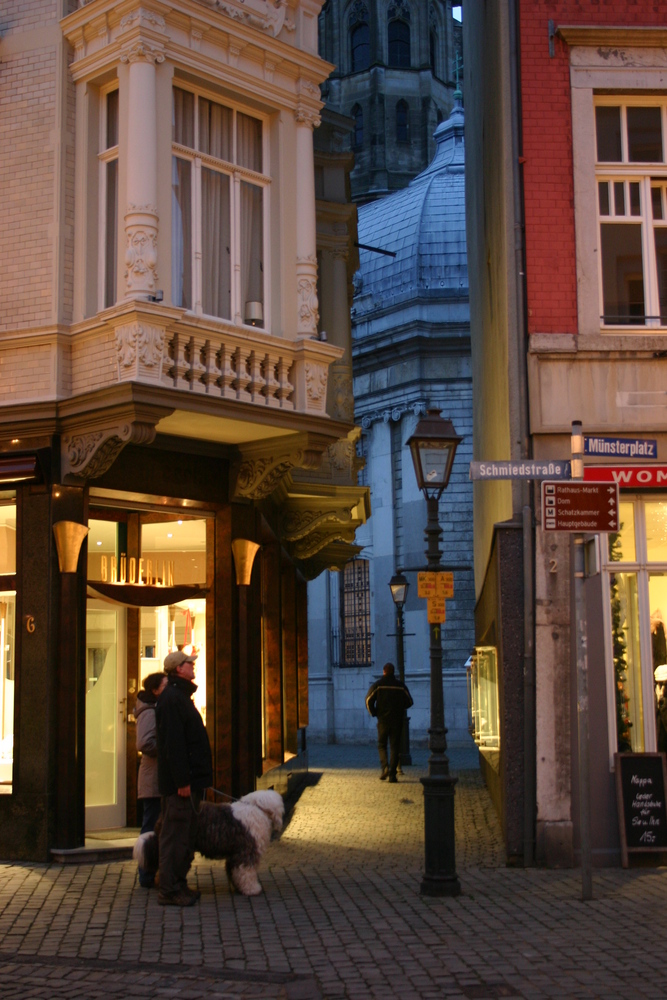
[239, 833]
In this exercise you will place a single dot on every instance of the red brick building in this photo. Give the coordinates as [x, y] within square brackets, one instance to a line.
[566, 138]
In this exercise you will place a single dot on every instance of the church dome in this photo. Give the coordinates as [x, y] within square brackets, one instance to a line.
[424, 225]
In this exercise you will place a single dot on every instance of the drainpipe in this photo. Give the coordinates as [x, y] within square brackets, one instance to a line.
[521, 346]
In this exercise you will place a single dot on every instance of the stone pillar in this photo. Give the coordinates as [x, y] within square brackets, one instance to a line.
[306, 244]
[141, 218]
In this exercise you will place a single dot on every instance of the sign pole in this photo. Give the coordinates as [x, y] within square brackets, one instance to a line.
[582, 681]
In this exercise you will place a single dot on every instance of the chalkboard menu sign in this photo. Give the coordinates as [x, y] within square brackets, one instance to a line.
[641, 781]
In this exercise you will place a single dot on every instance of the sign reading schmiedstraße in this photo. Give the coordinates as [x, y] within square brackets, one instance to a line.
[580, 506]
[526, 469]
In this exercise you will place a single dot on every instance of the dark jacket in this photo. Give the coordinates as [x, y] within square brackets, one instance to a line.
[387, 699]
[183, 749]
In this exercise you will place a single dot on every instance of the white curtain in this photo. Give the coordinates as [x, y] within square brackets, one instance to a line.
[216, 258]
[249, 142]
[181, 233]
[215, 130]
[252, 278]
[183, 121]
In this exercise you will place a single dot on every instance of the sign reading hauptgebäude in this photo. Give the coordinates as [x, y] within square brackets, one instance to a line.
[641, 781]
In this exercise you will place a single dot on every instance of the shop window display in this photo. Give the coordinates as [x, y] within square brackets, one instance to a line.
[7, 643]
[482, 675]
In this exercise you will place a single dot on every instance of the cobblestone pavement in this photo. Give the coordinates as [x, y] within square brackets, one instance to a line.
[341, 916]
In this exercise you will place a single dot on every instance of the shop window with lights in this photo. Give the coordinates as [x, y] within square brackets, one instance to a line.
[631, 175]
[7, 642]
[636, 582]
[355, 613]
[220, 190]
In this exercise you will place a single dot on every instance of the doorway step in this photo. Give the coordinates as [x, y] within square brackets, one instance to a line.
[100, 846]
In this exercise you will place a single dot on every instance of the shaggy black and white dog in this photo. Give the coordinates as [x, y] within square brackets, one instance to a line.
[239, 833]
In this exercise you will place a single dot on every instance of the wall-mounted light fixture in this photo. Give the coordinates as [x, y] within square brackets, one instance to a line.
[244, 556]
[69, 539]
[254, 314]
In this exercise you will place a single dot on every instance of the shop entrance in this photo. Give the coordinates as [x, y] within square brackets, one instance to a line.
[146, 598]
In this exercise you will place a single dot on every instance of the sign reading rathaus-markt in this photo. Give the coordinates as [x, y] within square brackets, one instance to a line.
[580, 506]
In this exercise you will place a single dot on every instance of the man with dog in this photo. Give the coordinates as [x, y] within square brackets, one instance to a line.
[387, 700]
[185, 770]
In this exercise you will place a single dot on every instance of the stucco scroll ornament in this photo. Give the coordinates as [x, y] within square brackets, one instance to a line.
[342, 402]
[271, 20]
[142, 51]
[89, 455]
[148, 17]
[307, 116]
[151, 345]
[299, 523]
[257, 478]
[126, 345]
[309, 546]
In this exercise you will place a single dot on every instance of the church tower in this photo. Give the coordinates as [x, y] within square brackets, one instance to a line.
[396, 63]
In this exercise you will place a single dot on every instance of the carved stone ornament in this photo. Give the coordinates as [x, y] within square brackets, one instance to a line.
[309, 546]
[141, 258]
[142, 51]
[307, 305]
[267, 15]
[307, 116]
[394, 414]
[296, 524]
[316, 382]
[143, 17]
[89, 454]
[139, 350]
[342, 401]
[257, 478]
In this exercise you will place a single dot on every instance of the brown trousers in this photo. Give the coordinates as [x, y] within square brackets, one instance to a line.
[177, 840]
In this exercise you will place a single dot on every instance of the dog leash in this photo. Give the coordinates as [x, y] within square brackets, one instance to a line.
[225, 795]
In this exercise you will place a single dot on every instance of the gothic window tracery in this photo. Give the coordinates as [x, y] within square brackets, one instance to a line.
[360, 37]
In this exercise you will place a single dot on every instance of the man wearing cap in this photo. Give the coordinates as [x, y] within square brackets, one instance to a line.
[185, 769]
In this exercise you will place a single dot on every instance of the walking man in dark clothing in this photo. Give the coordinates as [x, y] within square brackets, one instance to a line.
[185, 769]
[387, 700]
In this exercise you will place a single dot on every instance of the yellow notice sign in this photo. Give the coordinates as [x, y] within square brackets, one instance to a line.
[436, 610]
[435, 585]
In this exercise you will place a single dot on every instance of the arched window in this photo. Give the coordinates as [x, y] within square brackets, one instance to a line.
[402, 121]
[360, 43]
[358, 134]
[398, 37]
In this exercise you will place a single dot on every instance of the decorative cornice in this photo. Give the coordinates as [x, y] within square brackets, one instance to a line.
[392, 413]
[88, 454]
[298, 522]
[142, 51]
[259, 473]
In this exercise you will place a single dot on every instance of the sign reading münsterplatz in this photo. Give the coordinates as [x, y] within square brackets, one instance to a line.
[580, 506]
[620, 447]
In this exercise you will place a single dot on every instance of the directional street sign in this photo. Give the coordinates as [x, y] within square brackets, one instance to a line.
[528, 469]
[435, 585]
[580, 506]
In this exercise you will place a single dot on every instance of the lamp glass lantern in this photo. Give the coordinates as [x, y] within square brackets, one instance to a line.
[399, 589]
[433, 446]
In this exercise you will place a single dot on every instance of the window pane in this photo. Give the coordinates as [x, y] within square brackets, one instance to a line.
[608, 129]
[622, 543]
[398, 34]
[622, 273]
[603, 194]
[7, 674]
[216, 259]
[619, 198]
[249, 142]
[627, 662]
[183, 124]
[215, 129]
[110, 233]
[181, 233]
[656, 202]
[634, 199]
[355, 613]
[657, 588]
[644, 135]
[361, 47]
[656, 530]
[112, 119]
[252, 255]
[661, 265]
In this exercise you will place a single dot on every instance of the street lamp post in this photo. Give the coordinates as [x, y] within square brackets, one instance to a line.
[399, 594]
[433, 446]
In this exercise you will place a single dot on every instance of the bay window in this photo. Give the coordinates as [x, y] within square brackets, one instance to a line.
[219, 206]
[631, 169]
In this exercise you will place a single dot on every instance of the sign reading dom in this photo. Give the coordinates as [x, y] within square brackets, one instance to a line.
[641, 780]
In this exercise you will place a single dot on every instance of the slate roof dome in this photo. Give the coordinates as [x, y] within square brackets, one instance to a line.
[425, 225]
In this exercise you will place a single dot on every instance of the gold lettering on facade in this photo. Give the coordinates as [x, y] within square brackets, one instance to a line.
[141, 571]
[171, 573]
[164, 575]
[123, 568]
[104, 569]
[149, 572]
[114, 574]
[133, 570]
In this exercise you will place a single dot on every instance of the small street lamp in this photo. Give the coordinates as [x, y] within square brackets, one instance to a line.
[433, 446]
[399, 594]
